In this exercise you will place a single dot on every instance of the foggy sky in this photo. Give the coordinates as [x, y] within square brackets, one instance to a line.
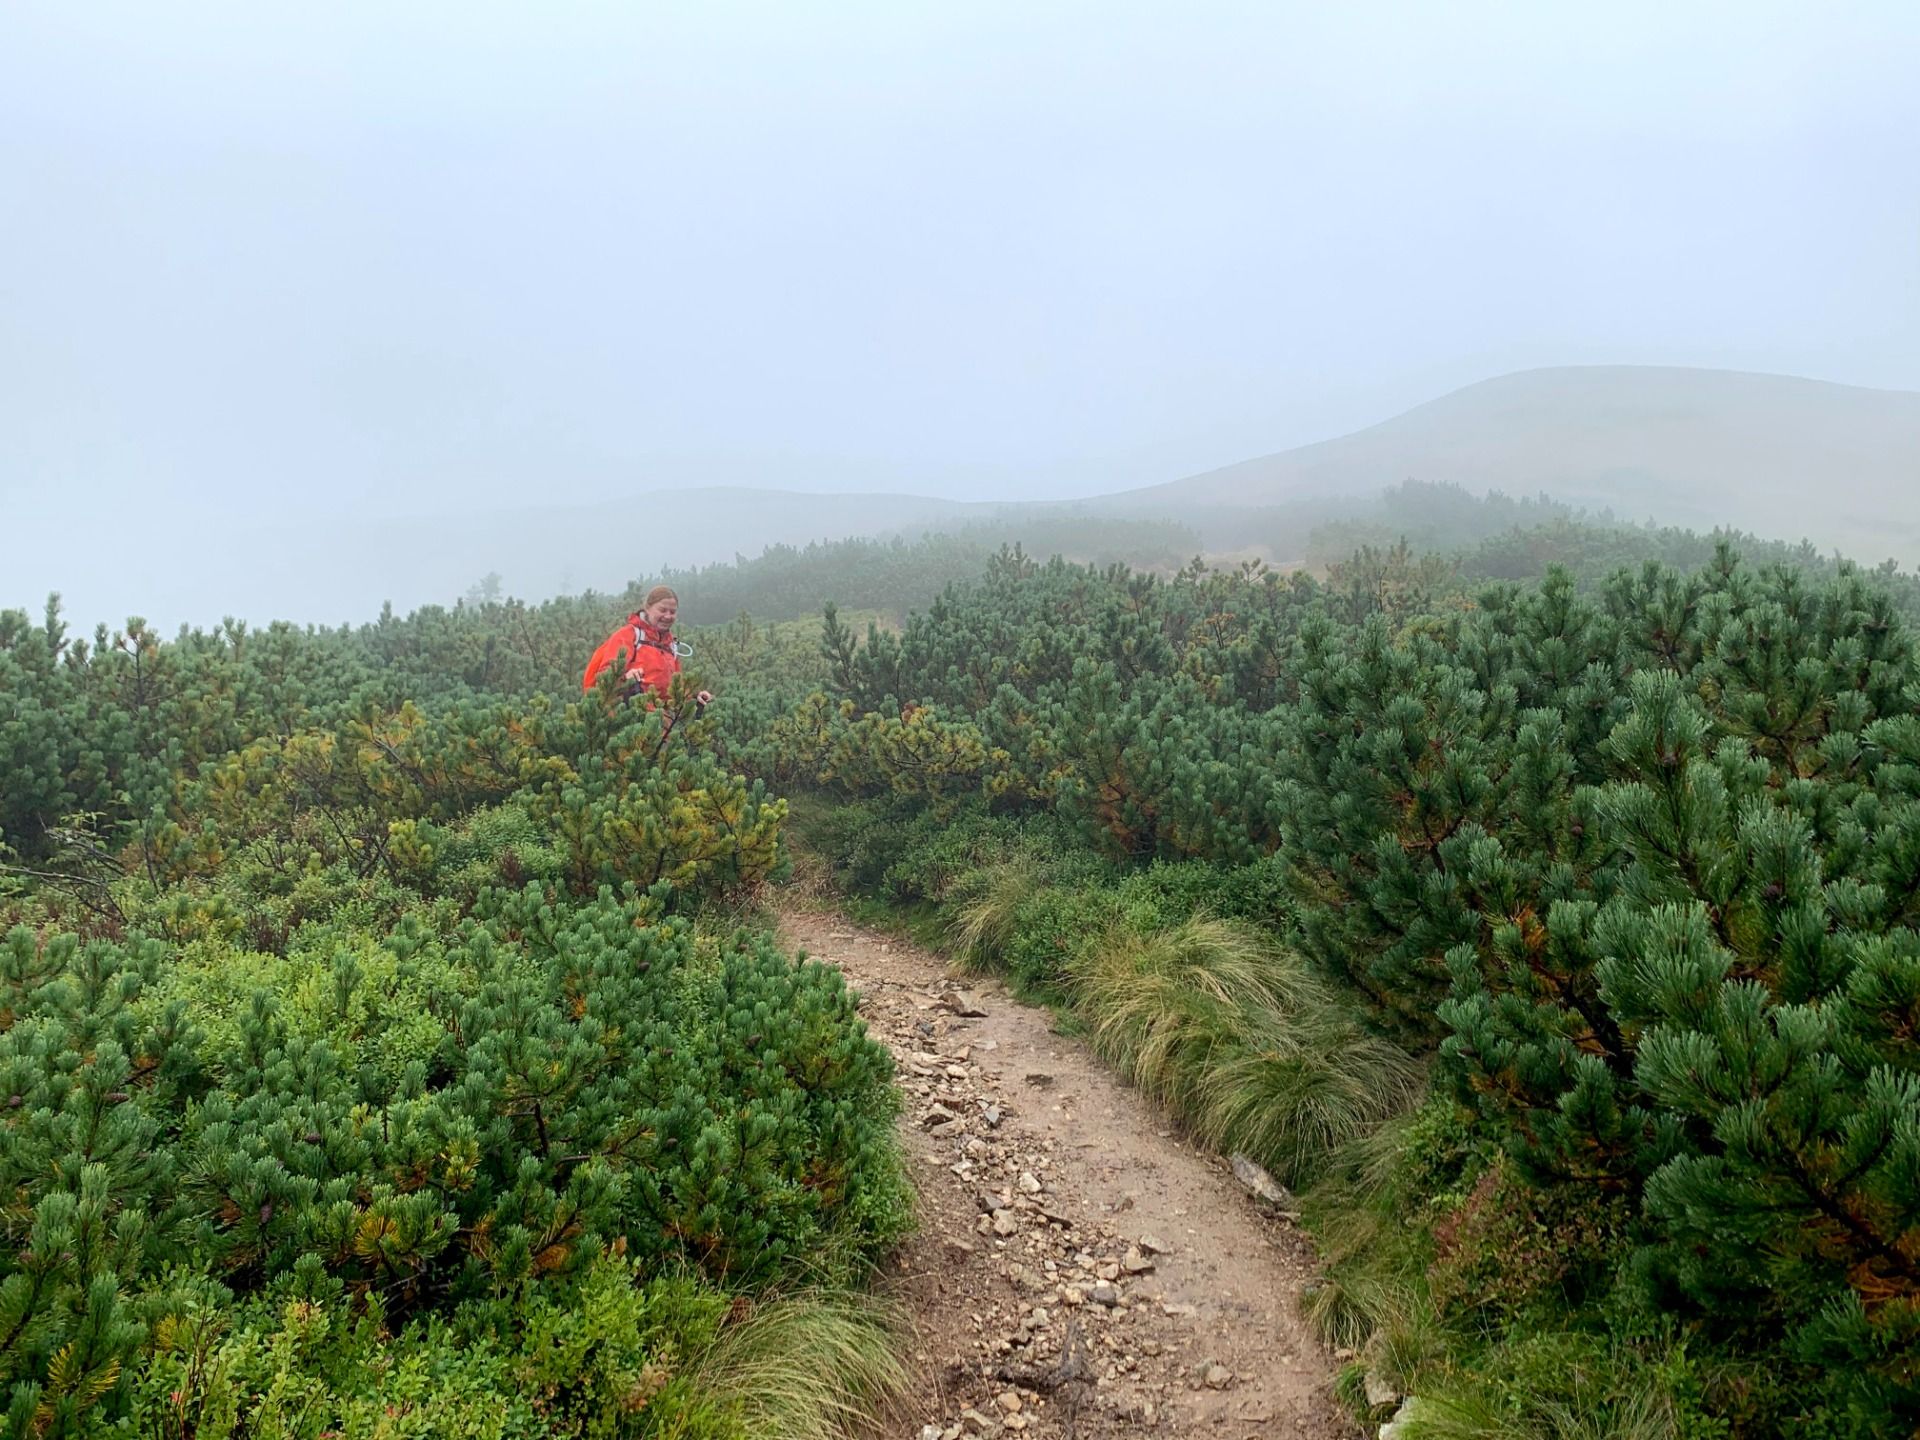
[264, 264]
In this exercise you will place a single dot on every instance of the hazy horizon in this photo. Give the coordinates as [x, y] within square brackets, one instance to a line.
[276, 271]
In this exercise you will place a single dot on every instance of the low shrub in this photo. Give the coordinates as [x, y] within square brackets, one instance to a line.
[425, 1123]
[1255, 893]
[1509, 1246]
[620, 1354]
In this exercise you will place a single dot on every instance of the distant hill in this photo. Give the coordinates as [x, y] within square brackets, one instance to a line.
[1776, 455]
[1779, 457]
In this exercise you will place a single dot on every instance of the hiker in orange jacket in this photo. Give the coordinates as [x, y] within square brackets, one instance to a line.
[645, 648]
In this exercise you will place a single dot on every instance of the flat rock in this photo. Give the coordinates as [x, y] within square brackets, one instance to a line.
[1401, 1427]
[1380, 1392]
[1027, 1280]
[1262, 1186]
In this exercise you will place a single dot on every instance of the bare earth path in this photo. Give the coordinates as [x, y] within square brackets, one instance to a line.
[1080, 1272]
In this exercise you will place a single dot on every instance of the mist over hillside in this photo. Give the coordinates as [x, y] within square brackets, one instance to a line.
[331, 566]
[1774, 456]
[1783, 457]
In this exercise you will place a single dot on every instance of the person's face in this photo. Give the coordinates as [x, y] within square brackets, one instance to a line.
[661, 613]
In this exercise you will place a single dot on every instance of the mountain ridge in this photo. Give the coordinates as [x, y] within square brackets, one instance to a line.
[1692, 445]
[1779, 456]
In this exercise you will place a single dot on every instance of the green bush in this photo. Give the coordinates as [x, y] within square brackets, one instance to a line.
[428, 1122]
[1255, 893]
[1634, 864]
[1508, 1248]
[362, 1070]
[499, 845]
[618, 1355]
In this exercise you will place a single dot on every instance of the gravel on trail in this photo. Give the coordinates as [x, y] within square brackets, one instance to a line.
[1080, 1271]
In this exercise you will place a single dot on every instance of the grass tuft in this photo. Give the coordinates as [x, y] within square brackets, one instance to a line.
[808, 1366]
[1241, 1040]
[987, 904]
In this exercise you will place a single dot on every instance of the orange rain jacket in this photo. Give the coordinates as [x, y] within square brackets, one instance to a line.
[647, 654]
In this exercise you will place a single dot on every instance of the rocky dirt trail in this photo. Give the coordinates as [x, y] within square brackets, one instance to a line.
[1080, 1271]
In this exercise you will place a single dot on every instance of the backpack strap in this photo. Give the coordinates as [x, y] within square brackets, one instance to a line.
[641, 637]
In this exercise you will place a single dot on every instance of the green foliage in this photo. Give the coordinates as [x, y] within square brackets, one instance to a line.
[622, 1358]
[1497, 537]
[1628, 857]
[892, 576]
[1438, 518]
[367, 1065]
[423, 1122]
[1650, 852]
[1508, 1248]
[1033, 931]
[1060, 686]
[1636, 863]
[915, 755]
[639, 801]
[1570, 1386]
[908, 854]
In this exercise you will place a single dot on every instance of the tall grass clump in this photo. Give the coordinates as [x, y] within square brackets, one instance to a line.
[985, 910]
[1373, 1261]
[1241, 1040]
[808, 1366]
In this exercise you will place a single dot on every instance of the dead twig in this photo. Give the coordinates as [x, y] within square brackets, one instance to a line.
[1067, 1380]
